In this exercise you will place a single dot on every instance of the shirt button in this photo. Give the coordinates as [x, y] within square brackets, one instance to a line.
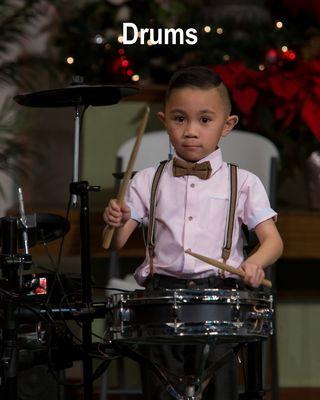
[190, 218]
[188, 249]
[192, 185]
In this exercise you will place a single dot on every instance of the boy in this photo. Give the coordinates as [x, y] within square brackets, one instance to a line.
[192, 209]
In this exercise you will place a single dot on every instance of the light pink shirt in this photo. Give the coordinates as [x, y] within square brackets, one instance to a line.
[191, 214]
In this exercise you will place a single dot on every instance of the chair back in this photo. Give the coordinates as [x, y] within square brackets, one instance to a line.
[254, 153]
[155, 147]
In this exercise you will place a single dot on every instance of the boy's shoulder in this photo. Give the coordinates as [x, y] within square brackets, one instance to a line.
[150, 171]
[241, 171]
[145, 175]
[247, 179]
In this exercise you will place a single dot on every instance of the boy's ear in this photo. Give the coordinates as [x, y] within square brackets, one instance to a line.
[161, 116]
[230, 123]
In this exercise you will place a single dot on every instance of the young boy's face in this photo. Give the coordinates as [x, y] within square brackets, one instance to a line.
[195, 120]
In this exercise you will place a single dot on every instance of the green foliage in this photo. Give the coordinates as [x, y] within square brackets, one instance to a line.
[17, 70]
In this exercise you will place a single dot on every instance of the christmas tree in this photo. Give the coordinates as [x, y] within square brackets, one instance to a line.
[267, 52]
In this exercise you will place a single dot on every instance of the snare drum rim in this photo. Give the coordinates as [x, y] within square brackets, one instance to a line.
[230, 296]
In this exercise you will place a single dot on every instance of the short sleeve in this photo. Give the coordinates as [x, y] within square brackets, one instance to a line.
[256, 204]
[138, 194]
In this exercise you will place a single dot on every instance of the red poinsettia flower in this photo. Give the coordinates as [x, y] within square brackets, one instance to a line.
[309, 74]
[293, 95]
[243, 83]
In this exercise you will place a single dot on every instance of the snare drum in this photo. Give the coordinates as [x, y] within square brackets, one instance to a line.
[190, 315]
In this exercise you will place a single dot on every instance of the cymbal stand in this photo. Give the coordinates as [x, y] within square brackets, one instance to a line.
[75, 174]
[82, 189]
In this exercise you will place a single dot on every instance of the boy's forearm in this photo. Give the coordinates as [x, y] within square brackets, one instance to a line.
[268, 252]
[119, 239]
[122, 234]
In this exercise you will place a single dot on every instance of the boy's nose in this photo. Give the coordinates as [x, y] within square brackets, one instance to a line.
[191, 131]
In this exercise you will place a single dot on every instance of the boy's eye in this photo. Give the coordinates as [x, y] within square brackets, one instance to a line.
[179, 118]
[205, 120]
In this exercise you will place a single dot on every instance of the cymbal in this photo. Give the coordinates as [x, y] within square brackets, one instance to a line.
[76, 95]
[42, 228]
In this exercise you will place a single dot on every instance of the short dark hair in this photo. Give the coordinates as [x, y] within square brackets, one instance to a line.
[198, 77]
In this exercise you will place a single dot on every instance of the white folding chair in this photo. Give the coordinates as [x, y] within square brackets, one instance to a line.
[155, 147]
[248, 150]
[254, 153]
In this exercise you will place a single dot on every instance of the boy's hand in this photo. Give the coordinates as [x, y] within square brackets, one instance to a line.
[115, 214]
[253, 273]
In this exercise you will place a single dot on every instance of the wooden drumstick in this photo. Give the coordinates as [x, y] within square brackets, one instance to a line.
[108, 233]
[225, 267]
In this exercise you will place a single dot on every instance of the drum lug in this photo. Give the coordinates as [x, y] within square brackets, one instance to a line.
[175, 310]
[235, 313]
[124, 314]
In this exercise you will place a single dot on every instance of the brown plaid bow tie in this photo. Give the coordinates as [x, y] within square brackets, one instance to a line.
[201, 170]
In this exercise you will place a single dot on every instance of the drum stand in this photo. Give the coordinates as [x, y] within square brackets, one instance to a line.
[254, 386]
[194, 384]
[11, 261]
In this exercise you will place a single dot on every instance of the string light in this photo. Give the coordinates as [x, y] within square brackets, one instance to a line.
[219, 31]
[98, 39]
[149, 42]
[121, 52]
[271, 55]
[284, 49]
[70, 60]
[125, 63]
[120, 39]
[261, 67]
[107, 46]
[279, 24]
[291, 55]
[130, 72]
[207, 29]
[226, 57]
[135, 78]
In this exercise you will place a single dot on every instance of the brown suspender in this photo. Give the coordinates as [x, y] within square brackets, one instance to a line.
[233, 181]
[230, 217]
[231, 212]
[152, 213]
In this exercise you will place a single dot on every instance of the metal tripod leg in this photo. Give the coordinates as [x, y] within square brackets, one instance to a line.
[254, 386]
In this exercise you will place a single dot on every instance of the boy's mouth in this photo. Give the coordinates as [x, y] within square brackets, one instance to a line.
[191, 147]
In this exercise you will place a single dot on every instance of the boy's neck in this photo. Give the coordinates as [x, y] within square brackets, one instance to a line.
[201, 159]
